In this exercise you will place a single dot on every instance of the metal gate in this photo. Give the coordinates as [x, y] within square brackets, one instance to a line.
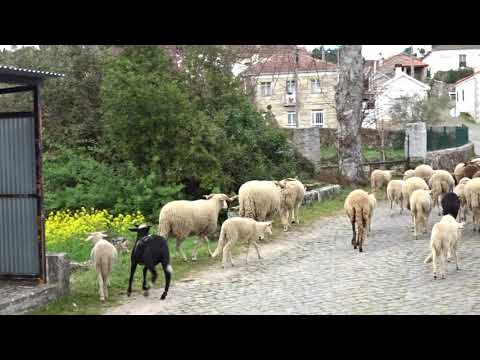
[19, 205]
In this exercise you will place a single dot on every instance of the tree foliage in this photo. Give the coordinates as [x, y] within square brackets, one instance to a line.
[452, 76]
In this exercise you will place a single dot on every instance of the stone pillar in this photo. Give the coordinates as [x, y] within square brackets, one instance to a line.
[307, 142]
[416, 140]
[58, 271]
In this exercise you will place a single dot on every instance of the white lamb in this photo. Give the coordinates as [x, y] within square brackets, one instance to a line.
[199, 217]
[460, 191]
[238, 228]
[421, 206]
[441, 182]
[380, 178]
[292, 192]
[472, 198]
[410, 185]
[373, 204]
[444, 241]
[103, 256]
[424, 171]
[394, 194]
[408, 174]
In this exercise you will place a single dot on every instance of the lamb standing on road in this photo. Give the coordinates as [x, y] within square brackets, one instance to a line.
[410, 185]
[103, 256]
[293, 192]
[394, 194]
[451, 204]
[460, 191]
[373, 204]
[260, 199]
[444, 241]
[441, 183]
[357, 207]
[421, 206]
[199, 217]
[472, 198]
[424, 171]
[380, 179]
[238, 228]
[459, 171]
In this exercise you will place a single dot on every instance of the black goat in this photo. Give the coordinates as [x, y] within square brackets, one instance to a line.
[149, 250]
[451, 204]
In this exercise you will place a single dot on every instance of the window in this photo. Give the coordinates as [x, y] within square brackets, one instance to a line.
[463, 95]
[317, 118]
[292, 118]
[290, 87]
[266, 88]
[452, 95]
[316, 86]
[457, 96]
[462, 60]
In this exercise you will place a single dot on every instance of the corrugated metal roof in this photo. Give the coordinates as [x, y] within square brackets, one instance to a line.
[11, 70]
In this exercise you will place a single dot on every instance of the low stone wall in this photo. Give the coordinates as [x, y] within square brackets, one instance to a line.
[449, 158]
[307, 142]
[370, 137]
[314, 195]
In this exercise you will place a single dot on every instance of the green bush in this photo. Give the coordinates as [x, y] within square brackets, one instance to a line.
[452, 76]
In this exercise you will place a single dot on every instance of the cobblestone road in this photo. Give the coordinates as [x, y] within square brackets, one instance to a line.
[316, 271]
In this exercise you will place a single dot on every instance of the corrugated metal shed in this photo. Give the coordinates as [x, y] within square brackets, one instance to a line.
[22, 234]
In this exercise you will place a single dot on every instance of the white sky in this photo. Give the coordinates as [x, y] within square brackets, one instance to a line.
[370, 52]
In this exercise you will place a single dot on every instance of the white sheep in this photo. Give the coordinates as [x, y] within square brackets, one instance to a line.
[239, 228]
[103, 256]
[421, 206]
[292, 192]
[394, 194]
[472, 198]
[410, 185]
[260, 199]
[459, 171]
[424, 171]
[444, 242]
[380, 178]
[357, 207]
[373, 204]
[199, 217]
[460, 191]
[408, 174]
[441, 182]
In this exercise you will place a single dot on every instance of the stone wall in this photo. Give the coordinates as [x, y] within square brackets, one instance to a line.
[370, 138]
[448, 158]
[307, 142]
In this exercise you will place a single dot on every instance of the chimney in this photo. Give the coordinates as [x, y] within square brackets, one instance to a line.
[398, 69]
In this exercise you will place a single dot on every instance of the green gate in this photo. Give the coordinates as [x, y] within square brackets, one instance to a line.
[444, 137]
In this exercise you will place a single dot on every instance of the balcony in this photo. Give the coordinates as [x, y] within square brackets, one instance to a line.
[290, 99]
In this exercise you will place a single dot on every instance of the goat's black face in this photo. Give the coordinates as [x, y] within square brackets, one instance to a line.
[141, 231]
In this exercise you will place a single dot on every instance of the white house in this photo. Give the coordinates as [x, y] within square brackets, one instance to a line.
[389, 91]
[468, 96]
[452, 57]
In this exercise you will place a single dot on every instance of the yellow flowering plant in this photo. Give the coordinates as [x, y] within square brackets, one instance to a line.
[66, 231]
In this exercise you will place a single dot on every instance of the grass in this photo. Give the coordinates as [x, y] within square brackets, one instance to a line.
[329, 154]
[84, 300]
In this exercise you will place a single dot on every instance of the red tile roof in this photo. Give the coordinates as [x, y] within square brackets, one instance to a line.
[285, 62]
[404, 60]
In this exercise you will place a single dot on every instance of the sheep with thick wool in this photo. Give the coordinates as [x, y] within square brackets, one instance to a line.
[472, 198]
[103, 256]
[410, 185]
[394, 194]
[239, 228]
[373, 204]
[421, 205]
[470, 170]
[380, 178]
[424, 171]
[408, 174]
[444, 242]
[441, 182]
[182, 218]
[357, 206]
[460, 191]
[260, 199]
[292, 192]
[459, 171]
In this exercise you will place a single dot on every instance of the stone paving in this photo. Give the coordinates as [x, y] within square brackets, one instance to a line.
[316, 271]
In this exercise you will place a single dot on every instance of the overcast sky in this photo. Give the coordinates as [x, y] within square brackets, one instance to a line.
[370, 52]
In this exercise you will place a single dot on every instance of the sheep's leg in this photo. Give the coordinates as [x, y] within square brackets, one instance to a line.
[293, 216]
[415, 224]
[101, 287]
[132, 273]
[230, 257]
[225, 253]
[297, 221]
[178, 249]
[167, 270]
[248, 249]
[455, 256]
[434, 264]
[195, 249]
[106, 281]
[145, 286]
[443, 263]
[354, 238]
[391, 207]
[256, 248]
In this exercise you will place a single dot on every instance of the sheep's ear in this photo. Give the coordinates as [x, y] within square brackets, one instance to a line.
[233, 198]
[133, 229]
[208, 196]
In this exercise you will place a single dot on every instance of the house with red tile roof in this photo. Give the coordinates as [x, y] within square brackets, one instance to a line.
[452, 57]
[298, 88]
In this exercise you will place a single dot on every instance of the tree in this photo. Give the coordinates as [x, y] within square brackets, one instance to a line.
[348, 99]
[330, 55]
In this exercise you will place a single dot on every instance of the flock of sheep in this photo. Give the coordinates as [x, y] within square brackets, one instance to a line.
[455, 195]
[259, 202]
